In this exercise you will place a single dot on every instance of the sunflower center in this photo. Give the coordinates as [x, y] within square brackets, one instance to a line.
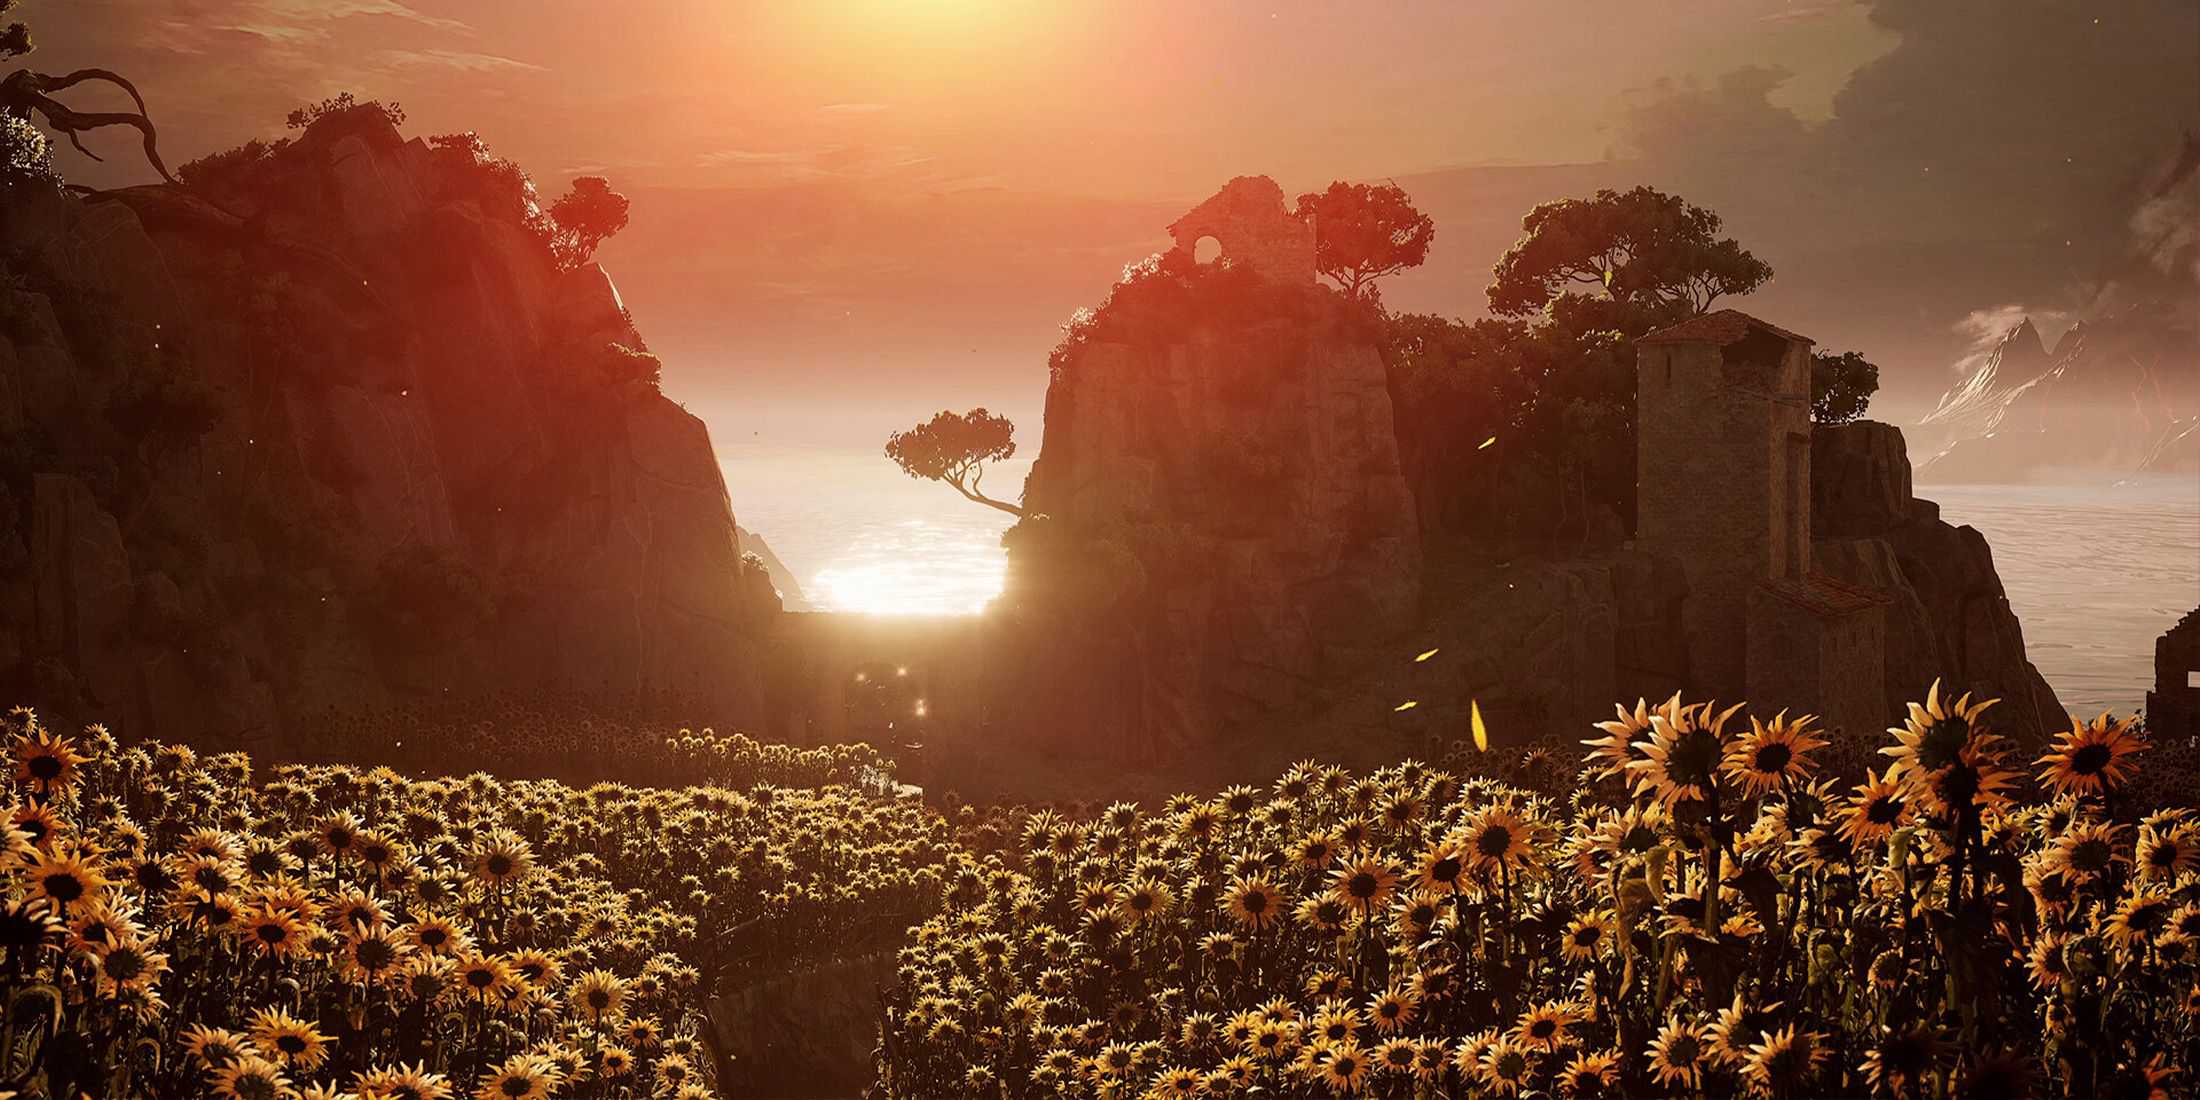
[2090, 759]
[1882, 811]
[1693, 758]
[273, 933]
[1943, 740]
[46, 768]
[1542, 1029]
[1494, 841]
[64, 887]
[1774, 758]
[1362, 885]
[518, 1086]
[1444, 870]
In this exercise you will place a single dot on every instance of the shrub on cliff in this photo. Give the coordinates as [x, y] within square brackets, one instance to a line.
[1169, 294]
[26, 155]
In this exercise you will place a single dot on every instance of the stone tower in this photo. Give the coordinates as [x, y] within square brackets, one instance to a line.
[1723, 434]
[1723, 473]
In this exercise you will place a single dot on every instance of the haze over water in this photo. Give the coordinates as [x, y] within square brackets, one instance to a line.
[2095, 572]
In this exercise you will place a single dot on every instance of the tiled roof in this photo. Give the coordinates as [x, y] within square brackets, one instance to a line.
[1719, 327]
[1824, 595]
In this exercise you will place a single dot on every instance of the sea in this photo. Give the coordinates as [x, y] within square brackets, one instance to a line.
[2095, 571]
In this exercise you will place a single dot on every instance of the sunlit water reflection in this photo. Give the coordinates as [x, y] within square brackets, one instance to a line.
[861, 536]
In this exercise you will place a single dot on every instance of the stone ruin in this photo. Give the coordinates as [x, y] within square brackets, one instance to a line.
[1249, 220]
[1724, 480]
[2173, 707]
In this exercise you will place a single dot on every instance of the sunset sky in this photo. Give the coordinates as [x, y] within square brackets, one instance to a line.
[849, 215]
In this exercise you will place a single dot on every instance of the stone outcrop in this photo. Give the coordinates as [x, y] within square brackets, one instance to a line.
[1219, 520]
[1949, 617]
[334, 427]
[2173, 707]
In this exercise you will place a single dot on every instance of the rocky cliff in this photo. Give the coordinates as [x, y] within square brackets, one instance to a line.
[334, 425]
[1950, 617]
[1218, 518]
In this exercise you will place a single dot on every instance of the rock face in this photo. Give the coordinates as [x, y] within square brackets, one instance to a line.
[1950, 617]
[335, 427]
[1219, 517]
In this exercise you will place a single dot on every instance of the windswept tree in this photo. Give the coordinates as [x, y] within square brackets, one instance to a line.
[1363, 232]
[25, 94]
[954, 448]
[587, 216]
[1657, 257]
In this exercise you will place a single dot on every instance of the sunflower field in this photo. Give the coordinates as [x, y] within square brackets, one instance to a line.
[1704, 914]
[174, 926]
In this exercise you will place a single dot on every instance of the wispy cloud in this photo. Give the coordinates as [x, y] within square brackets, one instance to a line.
[457, 60]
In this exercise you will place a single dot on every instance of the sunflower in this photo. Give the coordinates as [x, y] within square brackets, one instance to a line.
[1677, 1055]
[1589, 1075]
[1145, 899]
[2167, 852]
[2139, 917]
[1504, 1067]
[1255, 903]
[251, 1077]
[64, 877]
[1875, 811]
[1440, 867]
[2090, 758]
[1785, 1061]
[1687, 746]
[1589, 935]
[336, 834]
[1770, 756]
[435, 934]
[1316, 850]
[47, 761]
[1342, 1067]
[1394, 1008]
[292, 1041]
[1899, 1058]
[403, 1082]
[597, 996]
[1364, 885]
[1543, 1027]
[1935, 737]
[502, 858]
[274, 933]
[1499, 838]
[521, 1077]
[1399, 1058]
[129, 963]
[1623, 740]
[2086, 851]
[1738, 1029]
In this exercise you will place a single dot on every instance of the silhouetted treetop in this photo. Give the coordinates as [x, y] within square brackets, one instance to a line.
[1652, 252]
[953, 448]
[1841, 386]
[1363, 232]
[588, 215]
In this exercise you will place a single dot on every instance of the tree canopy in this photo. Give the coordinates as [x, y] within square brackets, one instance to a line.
[587, 216]
[953, 448]
[1841, 386]
[1655, 256]
[1363, 232]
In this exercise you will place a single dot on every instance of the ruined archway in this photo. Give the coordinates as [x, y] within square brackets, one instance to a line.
[1250, 224]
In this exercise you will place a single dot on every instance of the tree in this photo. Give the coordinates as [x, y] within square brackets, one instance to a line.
[1363, 232]
[1841, 386]
[588, 215]
[24, 93]
[1656, 256]
[954, 448]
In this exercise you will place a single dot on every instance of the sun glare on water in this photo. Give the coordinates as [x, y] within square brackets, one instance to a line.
[914, 567]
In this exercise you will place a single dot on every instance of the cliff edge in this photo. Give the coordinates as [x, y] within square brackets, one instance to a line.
[333, 426]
